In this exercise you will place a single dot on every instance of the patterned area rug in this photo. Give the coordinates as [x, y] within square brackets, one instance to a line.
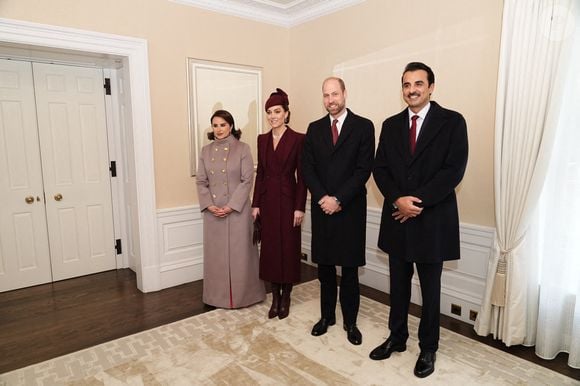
[243, 347]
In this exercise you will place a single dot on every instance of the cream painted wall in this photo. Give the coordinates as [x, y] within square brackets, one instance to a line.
[174, 32]
[369, 44]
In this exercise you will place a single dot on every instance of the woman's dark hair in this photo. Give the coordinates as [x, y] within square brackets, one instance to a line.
[226, 116]
[287, 109]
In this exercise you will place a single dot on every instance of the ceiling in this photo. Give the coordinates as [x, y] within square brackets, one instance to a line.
[285, 13]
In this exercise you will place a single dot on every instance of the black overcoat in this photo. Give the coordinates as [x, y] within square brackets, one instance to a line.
[340, 170]
[431, 174]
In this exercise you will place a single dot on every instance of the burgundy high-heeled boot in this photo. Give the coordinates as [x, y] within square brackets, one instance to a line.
[285, 302]
[275, 308]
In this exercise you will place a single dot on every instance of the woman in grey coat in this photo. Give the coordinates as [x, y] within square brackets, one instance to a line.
[224, 179]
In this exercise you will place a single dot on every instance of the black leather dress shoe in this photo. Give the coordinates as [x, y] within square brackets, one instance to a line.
[386, 349]
[353, 334]
[425, 364]
[322, 325]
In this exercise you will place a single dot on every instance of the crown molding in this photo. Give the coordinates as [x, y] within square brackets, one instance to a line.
[289, 15]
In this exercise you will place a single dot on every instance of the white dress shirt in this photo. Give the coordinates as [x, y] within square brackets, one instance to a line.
[422, 114]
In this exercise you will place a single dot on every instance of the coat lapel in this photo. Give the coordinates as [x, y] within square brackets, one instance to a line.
[326, 132]
[429, 129]
[345, 131]
[284, 148]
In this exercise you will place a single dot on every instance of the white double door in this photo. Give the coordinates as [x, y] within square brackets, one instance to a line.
[56, 218]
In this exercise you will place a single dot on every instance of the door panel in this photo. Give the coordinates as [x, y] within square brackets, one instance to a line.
[24, 252]
[75, 166]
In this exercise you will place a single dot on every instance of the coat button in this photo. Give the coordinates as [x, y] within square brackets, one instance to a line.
[225, 159]
[213, 195]
[225, 149]
[211, 172]
[223, 170]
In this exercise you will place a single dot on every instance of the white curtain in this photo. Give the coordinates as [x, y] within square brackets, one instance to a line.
[556, 230]
[535, 46]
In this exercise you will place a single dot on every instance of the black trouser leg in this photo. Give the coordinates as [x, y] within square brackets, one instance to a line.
[349, 295]
[400, 273]
[328, 292]
[430, 278]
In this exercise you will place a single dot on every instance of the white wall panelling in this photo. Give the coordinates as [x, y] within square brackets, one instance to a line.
[462, 282]
[180, 233]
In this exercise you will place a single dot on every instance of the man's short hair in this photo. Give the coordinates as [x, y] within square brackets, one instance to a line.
[415, 66]
[340, 81]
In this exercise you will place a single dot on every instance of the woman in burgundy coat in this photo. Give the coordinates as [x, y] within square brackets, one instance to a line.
[279, 200]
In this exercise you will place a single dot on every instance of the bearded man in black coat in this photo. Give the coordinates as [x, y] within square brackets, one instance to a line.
[421, 158]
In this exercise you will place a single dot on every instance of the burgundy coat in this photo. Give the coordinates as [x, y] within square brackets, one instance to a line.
[278, 192]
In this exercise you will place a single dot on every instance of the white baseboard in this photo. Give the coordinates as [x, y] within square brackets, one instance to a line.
[180, 233]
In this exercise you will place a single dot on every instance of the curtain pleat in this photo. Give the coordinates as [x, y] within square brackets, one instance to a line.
[528, 92]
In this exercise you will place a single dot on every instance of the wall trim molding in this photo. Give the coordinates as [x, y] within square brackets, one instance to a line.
[180, 233]
[463, 281]
[289, 15]
[180, 242]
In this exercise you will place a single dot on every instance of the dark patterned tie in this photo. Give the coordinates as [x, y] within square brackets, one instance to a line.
[413, 134]
[334, 131]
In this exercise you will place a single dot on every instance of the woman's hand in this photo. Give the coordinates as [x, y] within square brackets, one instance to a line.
[213, 210]
[225, 211]
[220, 212]
[255, 213]
[298, 217]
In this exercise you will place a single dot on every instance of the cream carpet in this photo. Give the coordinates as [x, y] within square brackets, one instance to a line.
[243, 347]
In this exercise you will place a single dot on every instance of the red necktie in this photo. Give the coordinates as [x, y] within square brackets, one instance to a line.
[413, 134]
[334, 131]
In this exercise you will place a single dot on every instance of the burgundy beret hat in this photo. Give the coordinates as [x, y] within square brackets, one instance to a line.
[277, 98]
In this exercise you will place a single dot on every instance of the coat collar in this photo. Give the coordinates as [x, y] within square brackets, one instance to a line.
[431, 126]
[284, 146]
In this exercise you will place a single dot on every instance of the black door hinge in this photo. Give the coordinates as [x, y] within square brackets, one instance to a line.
[113, 168]
[118, 246]
[107, 86]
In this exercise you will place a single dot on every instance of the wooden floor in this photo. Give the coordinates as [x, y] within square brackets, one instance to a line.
[50, 320]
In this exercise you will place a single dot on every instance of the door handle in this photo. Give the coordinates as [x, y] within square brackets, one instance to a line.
[29, 200]
[58, 197]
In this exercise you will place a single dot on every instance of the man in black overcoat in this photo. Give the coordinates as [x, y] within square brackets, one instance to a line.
[336, 163]
[421, 158]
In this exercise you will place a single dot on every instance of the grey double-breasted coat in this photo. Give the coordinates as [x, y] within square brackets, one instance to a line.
[230, 271]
